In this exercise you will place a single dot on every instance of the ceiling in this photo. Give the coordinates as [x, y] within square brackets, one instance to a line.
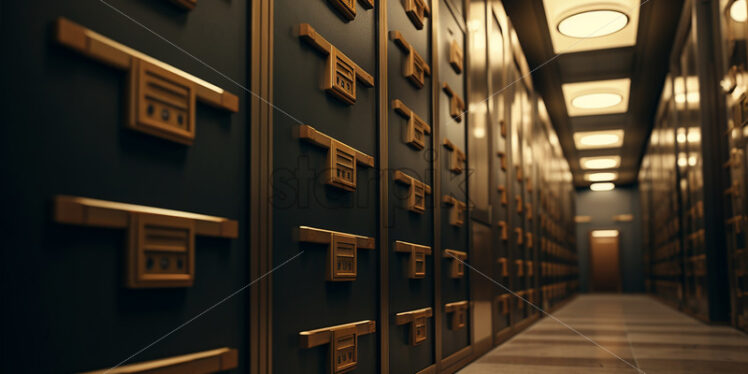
[645, 64]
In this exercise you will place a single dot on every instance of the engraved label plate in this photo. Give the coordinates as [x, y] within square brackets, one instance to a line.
[344, 349]
[455, 56]
[343, 258]
[161, 251]
[161, 103]
[340, 76]
[418, 331]
[341, 166]
[417, 11]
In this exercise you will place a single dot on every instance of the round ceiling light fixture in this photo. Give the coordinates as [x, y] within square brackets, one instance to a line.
[599, 140]
[598, 100]
[599, 163]
[593, 23]
[739, 11]
[602, 186]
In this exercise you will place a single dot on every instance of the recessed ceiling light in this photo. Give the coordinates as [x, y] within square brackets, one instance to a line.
[602, 186]
[597, 97]
[585, 25]
[601, 177]
[739, 11]
[600, 162]
[597, 100]
[605, 233]
[598, 139]
[593, 24]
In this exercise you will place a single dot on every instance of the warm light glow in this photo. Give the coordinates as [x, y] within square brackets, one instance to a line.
[606, 162]
[739, 11]
[597, 100]
[602, 186]
[602, 177]
[605, 233]
[593, 24]
[479, 132]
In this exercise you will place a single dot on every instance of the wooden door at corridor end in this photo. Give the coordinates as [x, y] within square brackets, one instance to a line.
[605, 267]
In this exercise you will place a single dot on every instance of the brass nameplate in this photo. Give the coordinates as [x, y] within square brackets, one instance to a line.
[340, 170]
[455, 56]
[457, 212]
[520, 237]
[417, 321]
[415, 67]
[456, 105]
[342, 251]
[347, 8]
[417, 259]
[341, 73]
[161, 98]
[458, 310]
[161, 242]
[417, 11]
[417, 128]
[207, 362]
[530, 269]
[417, 194]
[457, 160]
[457, 262]
[343, 340]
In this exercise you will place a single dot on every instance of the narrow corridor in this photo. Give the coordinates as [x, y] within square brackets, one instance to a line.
[638, 329]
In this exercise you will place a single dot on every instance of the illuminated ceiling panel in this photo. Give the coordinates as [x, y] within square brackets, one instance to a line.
[583, 25]
[598, 139]
[597, 97]
[600, 162]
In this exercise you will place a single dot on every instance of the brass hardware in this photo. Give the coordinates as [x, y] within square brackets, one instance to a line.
[528, 209]
[502, 226]
[457, 212]
[342, 251]
[502, 156]
[504, 268]
[417, 321]
[530, 270]
[161, 98]
[417, 260]
[347, 8]
[518, 199]
[737, 222]
[502, 125]
[518, 173]
[343, 340]
[161, 242]
[504, 301]
[415, 67]
[518, 230]
[416, 10]
[340, 170]
[341, 73]
[502, 190]
[459, 316]
[528, 239]
[520, 268]
[206, 362]
[457, 266]
[457, 160]
[417, 193]
[415, 133]
[456, 105]
[455, 56]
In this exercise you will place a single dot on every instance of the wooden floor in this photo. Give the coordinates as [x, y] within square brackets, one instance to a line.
[631, 334]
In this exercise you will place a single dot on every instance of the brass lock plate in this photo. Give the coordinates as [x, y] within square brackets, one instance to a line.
[161, 103]
[417, 11]
[415, 68]
[343, 258]
[455, 56]
[161, 251]
[417, 262]
[341, 166]
[344, 349]
[340, 76]
[418, 331]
